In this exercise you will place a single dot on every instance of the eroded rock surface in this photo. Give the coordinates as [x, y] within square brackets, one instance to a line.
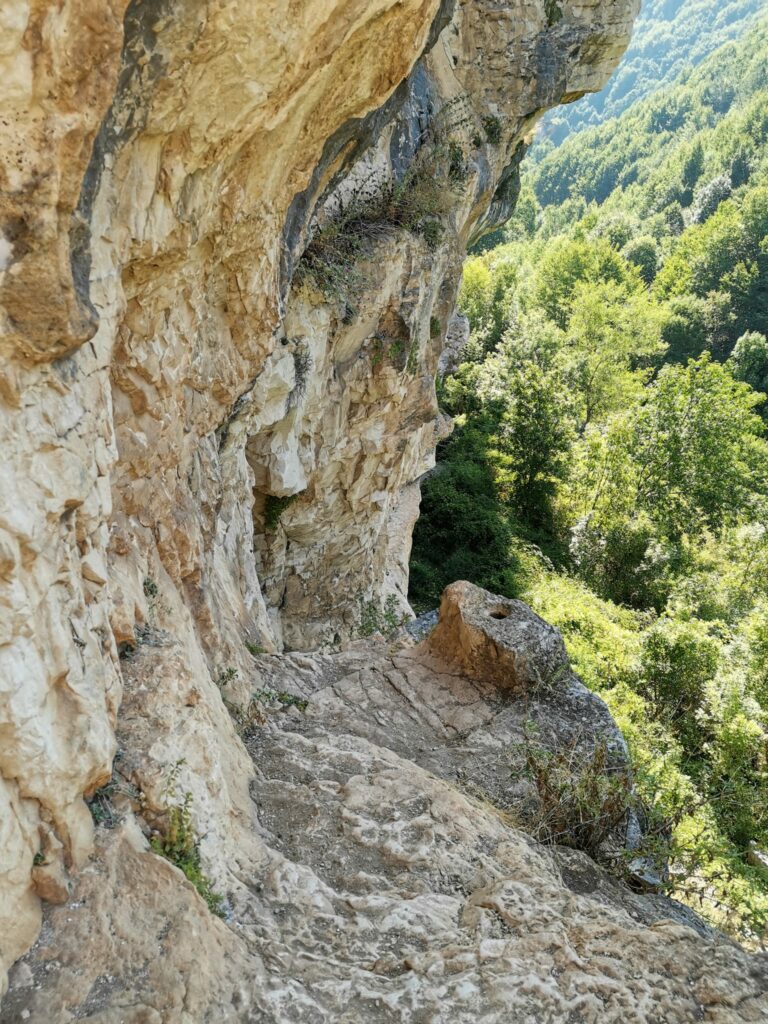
[165, 381]
[372, 867]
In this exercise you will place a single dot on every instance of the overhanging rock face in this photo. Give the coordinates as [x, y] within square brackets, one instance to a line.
[199, 452]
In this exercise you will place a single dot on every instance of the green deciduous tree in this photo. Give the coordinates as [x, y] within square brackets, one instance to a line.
[749, 360]
[699, 448]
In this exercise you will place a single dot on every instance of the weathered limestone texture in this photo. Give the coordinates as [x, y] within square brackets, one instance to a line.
[203, 450]
[372, 868]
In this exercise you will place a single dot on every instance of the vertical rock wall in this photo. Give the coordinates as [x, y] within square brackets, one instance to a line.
[164, 378]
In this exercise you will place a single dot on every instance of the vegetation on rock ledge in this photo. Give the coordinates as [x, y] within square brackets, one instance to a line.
[179, 843]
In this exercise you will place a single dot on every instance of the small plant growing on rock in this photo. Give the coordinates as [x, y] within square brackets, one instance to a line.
[100, 803]
[180, 845]
[434, 327]
[302, 364]
[100, 806]
[152, 593]
[393, 350]
[245, 716]
[392, 619]
[369, 619]
[433, 233]
[226, 676]
[253, 648]
[583, 799]
[417, 202]
[374, 619]
[554, 11]
[458, 169]
[377, 353]
[288, 700]
[274, 506]
[413, 358]
[492, 129]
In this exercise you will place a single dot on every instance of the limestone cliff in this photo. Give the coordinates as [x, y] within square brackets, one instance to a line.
[208, 452]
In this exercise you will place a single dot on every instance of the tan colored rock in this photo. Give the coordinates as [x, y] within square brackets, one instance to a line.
[456, 338]
[372, 871]
[164, 376]
[501, 640]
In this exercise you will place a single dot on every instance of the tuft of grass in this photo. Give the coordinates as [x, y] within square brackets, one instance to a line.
[458, 167]
[583, 798]
[100, 803]
[433, 232]
[100, 806]
[417, 203]
[413, 358]
[245, 717]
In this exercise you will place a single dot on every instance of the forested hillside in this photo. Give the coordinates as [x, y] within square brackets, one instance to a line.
[670, 36]
[609, 462]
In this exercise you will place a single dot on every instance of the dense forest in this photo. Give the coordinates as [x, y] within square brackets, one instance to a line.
[670, 36]
[609, 462]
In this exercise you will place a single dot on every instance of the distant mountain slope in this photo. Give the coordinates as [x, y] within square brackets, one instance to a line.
[661, 151]
[670, 35]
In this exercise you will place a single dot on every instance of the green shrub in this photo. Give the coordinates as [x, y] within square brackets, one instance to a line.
[584, 797]
[627, 563]
[274, 506]
[749, 360]
[678, 660]
[644, 253]
[179, 844]
[464, 532]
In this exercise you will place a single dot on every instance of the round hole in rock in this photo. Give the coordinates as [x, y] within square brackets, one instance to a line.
[499, 613]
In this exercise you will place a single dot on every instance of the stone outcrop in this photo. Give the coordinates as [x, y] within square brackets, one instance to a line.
[368, 850]
[203, 451]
